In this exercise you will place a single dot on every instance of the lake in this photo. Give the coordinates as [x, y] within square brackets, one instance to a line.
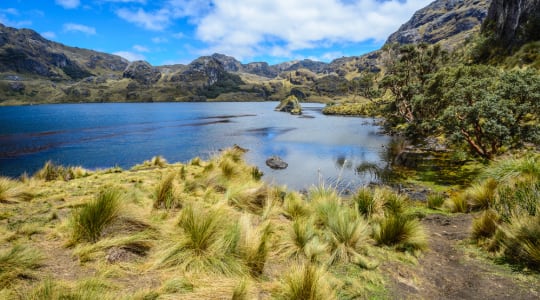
[316, 147]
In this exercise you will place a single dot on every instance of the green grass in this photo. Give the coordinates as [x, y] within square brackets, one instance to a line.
[18, 262]
[88, 223]
[165, 195]
[435, 200]
[401, 231]
[301, 242]
[306, 282]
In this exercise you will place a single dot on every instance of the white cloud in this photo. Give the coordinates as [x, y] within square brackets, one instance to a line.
[6, 16]
[243, 28]
[140, 48]
[131, 56]
[156, 21]
[125, 1]
[48, 35]
[160, 40]
[72, 27]
[68, 4]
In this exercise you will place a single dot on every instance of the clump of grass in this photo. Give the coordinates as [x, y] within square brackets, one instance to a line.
[165, 195]
[457, 204]
[196, 161]
[485, 225]
[481, 196]
[435, 200]
[240, 291]
[253, 245]
[401, 231]
[393, 203]
[256, 173]
[306, 282]
[158, 161]
[12, 192]
[201, 245]
[326, 203]
[365, 202]
[248, 197]
[509, 168]
[301, 242]
[18, 262]
[521, 240]
[89, 222]
[347, 235]
[294, 206]
[228, 168]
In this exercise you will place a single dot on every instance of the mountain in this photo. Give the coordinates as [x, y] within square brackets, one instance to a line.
[446, 21]
[513, 23]
[33, 69]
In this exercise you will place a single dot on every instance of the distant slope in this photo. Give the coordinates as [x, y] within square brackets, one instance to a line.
[447, 21]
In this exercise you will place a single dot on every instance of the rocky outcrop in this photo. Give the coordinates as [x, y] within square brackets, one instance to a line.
[442, 20]
[513, 23]
[290, 105]
[142, 72]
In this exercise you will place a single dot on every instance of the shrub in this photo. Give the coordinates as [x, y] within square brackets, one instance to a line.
[89, 221]
[401, 231]
[306, 282]
[17, 262]
[165, 195]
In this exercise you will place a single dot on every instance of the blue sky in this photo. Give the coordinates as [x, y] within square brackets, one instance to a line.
[178, 31]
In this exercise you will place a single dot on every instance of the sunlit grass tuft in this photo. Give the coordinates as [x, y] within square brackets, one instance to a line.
[165, 194]
[307, 282]
[12, 191]
[401, 231]
[89, 221]
[18, 262]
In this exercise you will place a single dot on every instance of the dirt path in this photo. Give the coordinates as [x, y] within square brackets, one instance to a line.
[446, 271]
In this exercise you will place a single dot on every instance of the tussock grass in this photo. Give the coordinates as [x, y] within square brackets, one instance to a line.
[307, 282]
[88, 222]
[201, 245]
[88, 289]
[435, 200]
[347, 235]
[457, 204]
[18, 262]
[401, 231]
[507, 169]
[325, 202]
[50, 171]
[240, 291]
[301, 242]
[295, 206]
[481, 196]
[248, 197]
[366, 203]
[521, 242]
[165, 195]
[12, 191]
[485, 225]
[253, 245]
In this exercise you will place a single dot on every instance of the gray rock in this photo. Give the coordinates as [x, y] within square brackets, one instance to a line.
[275, 162]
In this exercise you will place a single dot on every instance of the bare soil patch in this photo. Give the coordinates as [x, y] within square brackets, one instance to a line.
[448, 271]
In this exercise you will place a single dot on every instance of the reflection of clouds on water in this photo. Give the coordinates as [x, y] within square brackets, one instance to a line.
[106, 135]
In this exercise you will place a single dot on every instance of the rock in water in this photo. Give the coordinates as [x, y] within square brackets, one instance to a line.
[290, 105]
[275, 162]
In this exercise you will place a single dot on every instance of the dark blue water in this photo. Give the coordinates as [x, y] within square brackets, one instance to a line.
[106, 135]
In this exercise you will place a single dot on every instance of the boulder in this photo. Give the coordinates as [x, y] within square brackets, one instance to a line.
[290, 105]
[275, 162]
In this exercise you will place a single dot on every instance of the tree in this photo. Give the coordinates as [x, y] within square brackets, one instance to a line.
[489, 109]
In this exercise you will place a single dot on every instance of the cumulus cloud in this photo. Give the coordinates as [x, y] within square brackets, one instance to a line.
[7, 15]
[131, 56]
[72, 27]
[156, 21]
[68, 4]
[244, 28]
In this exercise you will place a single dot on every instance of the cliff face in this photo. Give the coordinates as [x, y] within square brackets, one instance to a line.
[513, 22]
[449, 21]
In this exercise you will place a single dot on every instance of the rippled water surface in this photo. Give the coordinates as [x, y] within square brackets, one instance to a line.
[317, 147]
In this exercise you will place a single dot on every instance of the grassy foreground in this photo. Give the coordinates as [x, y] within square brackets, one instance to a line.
[199, 230]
